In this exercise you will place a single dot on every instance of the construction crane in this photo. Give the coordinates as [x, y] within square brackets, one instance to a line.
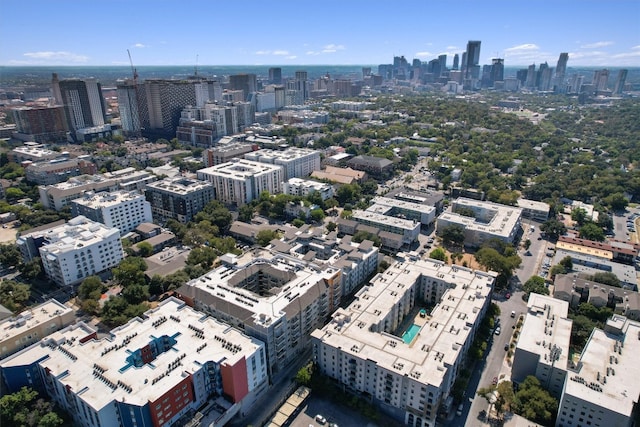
[133, 70]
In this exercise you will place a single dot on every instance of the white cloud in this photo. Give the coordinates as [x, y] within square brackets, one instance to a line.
[312, 52]
[522, 48]
[452, 48]
[635, 47]
[595, 45]
[423, 54]
[139, 45]
[292, 57]
[331, 48]
[634, 54]
[272, 52]
[56, 57]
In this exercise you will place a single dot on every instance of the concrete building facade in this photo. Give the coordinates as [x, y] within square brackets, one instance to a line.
[124, 210]
[178, 198]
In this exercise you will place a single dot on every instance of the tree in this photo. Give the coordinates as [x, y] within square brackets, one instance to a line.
[557, 269]
[331, 226]
[591, 231]
[536, 285]
[452, 235]
[303, 377]
[527, 244]
[144, 249]
[491, 259]
[535, 403]
[606, 278]
[579, 215]
[297, 223]
[32, 269]
[13, 193]
[616, 201]
[13, 295]
[135, 293]
[245, 213]
[567, 263]
[439, 254]
[317, 215]
[203, 256]
[91, 288]
[363, 235]
[265, 236]
[10, 255]
[553, 228]
[130, 271]
[23, 408]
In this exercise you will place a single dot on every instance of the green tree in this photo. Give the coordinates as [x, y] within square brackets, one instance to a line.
[452, 235]
[331, 226]
[265, 236]
[579, 215]
[591, 231]
[91, 288]
[317, 215]
[439, 254]
[130, 271]
[492, 260]
[245, 213]
[23, 408]
[553, 228]
[297, 223]
[365, 235]
[557, 269]
[13, 193]
[10, 255]
[144, 249]
[303, 376]
[31, 269]
[536, 285]
[14, 295]
[135, 293]
[567, 263]
[606, 278]
[527, 244]
[204, 256]
[535, 403]
[616, 201]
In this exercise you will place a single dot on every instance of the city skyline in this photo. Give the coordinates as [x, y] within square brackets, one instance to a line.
[160, 33]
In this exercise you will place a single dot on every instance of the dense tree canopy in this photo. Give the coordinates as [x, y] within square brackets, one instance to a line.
[535, 403]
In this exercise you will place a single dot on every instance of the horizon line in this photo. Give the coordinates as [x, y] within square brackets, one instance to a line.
[274, 65]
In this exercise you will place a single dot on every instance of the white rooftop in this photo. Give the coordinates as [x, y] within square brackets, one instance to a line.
[102, 371]
[499, 219]
[385, 204]
[105, 200]
[404, 224]
[29, 319]
[239, 169]
[76, 233]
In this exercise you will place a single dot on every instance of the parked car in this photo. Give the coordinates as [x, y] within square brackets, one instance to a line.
[513, 313]
[506, 347]
[320, 419]
[497, 331]
[459, 410]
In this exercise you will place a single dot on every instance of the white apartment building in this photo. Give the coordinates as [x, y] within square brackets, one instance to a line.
[408, 229]
[490, 221]
[274, 298]
[296, 162]
[537, 211]
[542, 349]
[602, 389]
[424, 214]
[124, 210]
[32, 153]
[149, 372]
[408, 375]
[304, 187]
[58, 196]
[240, 181]
[78, 249]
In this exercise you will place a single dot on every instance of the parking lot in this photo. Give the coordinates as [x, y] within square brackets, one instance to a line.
[341, 415]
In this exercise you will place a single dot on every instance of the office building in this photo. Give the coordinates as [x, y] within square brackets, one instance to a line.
[57, 196]
[408, 374]
[542, 349]
[303, 188]
[561, 72]
[41, 124]
[471, 67]
[58, 170]
[275, 75]
[178, 198]
[456, 61]
[602, 388]
[156, 370]
[240, 181]
[497, 70]
[247, 83]
[618, 88]
[32, 325]
[601, 80]
[490, 221]
[78, 249]
[277, 299]
[82, 100]
[124, 210]
[295, 162]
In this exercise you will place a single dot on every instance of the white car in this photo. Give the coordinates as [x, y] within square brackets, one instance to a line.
[320, 419]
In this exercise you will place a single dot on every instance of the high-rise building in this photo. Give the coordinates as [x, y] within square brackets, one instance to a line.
[301, 86]
[366, 72]
[473, 59]
[497, 70]
[82, 100]
[531, 76]
[443, 63]
[41, 124]
[129, 103]
[456, 62]
[247, 83]
[620, 82]
[559, 85]
[601, 80]
[275, 76]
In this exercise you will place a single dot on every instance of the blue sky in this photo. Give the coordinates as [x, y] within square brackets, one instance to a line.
[161, 32]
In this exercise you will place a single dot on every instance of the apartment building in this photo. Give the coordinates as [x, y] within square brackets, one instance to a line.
[32, 153]
[536, 211]
[408, 229]
[57, 196]
[489, 221]
[156, 370]
[424, 214]
[58, 170]
[30, 241]
[78, 249]
[274, 298]
[41, 124]
[178, 198]
[304, 187]
[408, 374]
[124, 210]
[296, 162]
[240, 181]
[542, 349]
[32, 325]
[602, 388]
[223, 153]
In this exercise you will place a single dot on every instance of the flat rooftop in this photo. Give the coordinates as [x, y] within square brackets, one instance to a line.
[78, 232]
[401, 204]
[179, 185]
[404, 224]
[440, 340]
[239, 169]
[105, 200]
[25, 321]
[102, 371]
